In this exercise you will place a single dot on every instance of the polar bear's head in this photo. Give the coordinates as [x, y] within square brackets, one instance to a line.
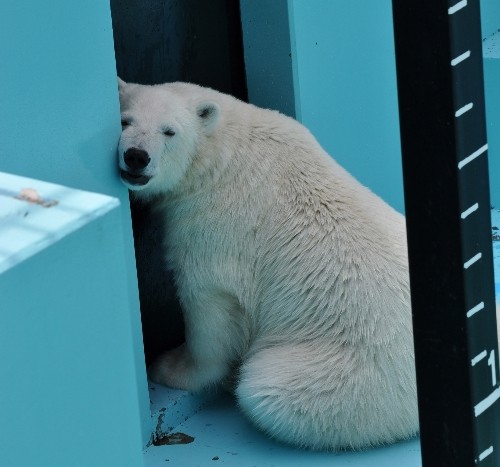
[162, 129]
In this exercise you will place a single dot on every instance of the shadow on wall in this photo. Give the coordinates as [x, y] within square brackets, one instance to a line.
[159, 41]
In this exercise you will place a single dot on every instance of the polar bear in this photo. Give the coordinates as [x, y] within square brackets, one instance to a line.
[292, 276]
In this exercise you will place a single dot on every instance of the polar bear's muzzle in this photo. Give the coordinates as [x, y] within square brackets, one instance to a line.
[136, 161]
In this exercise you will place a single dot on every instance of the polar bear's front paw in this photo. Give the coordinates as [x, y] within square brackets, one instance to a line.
[172, 368]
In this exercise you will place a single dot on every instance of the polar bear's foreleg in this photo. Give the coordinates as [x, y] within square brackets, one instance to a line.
[216, 336]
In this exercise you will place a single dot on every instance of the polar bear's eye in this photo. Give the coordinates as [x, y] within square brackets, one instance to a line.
[169, 132]
[125, 123]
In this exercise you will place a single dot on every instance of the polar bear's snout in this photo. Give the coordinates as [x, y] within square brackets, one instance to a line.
[136, 160]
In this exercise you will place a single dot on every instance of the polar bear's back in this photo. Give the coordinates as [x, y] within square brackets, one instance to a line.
[305, 223]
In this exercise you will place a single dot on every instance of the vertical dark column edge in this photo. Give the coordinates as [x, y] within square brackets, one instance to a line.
[440, 244]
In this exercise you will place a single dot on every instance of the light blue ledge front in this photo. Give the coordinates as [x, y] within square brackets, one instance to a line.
[68, 383]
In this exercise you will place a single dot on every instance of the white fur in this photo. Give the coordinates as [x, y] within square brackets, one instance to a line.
[288, 270]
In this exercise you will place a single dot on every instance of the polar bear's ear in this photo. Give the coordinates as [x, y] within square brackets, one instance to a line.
[208, 113]
[121, 84]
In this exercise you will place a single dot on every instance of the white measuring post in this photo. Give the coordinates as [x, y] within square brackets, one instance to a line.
[445, 167]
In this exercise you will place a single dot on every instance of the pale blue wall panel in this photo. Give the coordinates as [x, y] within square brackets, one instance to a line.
[490, 17]
[490, 25]
[59, 121]
[491, 57]
[67, 388]
[59, 117]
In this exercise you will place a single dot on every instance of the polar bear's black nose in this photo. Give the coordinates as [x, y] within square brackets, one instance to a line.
[136, 159]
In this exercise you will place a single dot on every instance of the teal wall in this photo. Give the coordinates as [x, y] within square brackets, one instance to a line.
[59, 122]
[67, 389]
[491, 49]
[490, 17]
[490, 24]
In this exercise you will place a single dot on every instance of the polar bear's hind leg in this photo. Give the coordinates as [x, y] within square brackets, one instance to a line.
[332, 402]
